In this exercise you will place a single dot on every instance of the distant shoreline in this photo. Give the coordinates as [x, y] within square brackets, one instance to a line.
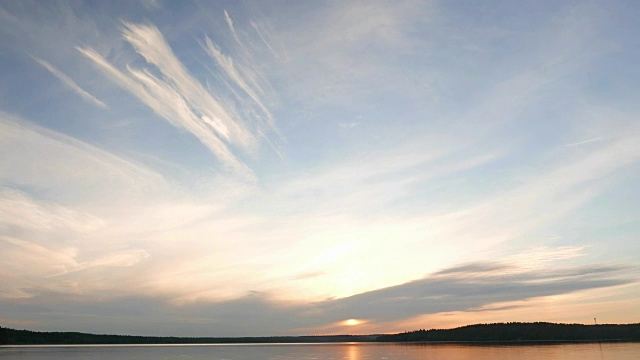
[478, 334]
[407, 343]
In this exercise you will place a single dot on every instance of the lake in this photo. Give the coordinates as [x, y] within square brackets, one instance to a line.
[345, 351]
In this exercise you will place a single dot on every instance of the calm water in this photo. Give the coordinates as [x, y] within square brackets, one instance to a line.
[618, 351]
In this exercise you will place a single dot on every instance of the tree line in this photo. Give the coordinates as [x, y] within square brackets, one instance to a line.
[516, 331]
[10, 336]
[497, 332]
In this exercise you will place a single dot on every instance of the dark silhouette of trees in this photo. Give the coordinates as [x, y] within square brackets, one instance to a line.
[501, 332]
[25, 337]
[511, 332]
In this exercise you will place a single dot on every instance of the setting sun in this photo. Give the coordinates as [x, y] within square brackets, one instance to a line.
[351, 322]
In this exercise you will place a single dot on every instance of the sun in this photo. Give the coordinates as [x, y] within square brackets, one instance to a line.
[351, 322]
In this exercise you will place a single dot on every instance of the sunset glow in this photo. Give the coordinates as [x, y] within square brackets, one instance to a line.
[351, 322]
[262, 168]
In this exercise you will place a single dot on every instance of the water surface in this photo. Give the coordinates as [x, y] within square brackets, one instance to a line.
[343, 351]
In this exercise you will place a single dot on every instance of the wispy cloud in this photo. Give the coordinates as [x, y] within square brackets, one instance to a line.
[38, 262]
[48, 231]
[71, 84]
[472, 288]
[168, 104]
[152, 4]
[349, 125]
[587, 141]
[234, 33]
[40, 158]
[178, 97]
[55, 268]
[244, 76]
[265, 36]
[17, 210]
[244, 79]
[150, 44]
[9, 18]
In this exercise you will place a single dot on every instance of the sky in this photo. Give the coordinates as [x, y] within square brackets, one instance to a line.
[254, 168]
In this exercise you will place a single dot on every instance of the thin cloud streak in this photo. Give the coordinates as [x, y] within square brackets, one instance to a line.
[238, 76]
[168, 104]
[28, 151]
[263, 34]
[67, 81]
[588, 141]
[18, 210]
[229, 21]
[150, 44]
[247, 82]
[182, 100]
[59, 269]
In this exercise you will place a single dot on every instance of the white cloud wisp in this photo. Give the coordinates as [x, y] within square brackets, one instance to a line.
[72, 84]
[180, 99]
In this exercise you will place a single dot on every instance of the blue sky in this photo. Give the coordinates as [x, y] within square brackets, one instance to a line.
[260, 168]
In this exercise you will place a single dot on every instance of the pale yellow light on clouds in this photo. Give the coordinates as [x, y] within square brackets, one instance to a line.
[609, 306]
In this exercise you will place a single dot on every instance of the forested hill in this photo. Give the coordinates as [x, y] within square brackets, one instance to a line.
[26, 337]
[505, 332]
[511, 332]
